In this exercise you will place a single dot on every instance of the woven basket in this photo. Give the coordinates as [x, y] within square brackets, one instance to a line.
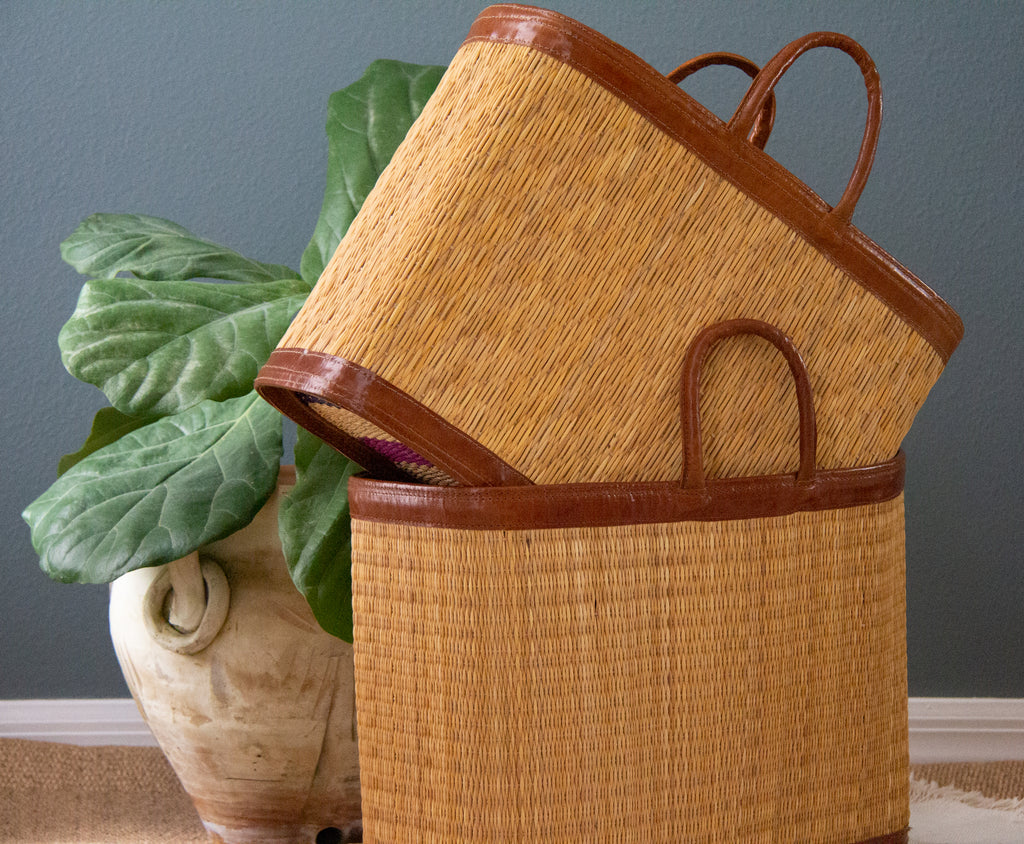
[704, 661]
[513, 298]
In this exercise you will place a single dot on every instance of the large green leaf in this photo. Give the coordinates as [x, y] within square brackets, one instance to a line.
[365, 124]
[107, 426]
[160, 492]
[104, 245]
[316, 534]
[160, 347]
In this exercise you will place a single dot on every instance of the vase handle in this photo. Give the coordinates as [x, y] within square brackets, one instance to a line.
[217, 600]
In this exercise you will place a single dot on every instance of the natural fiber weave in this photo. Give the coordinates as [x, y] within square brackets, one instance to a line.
[64, 794]
[738, 681]
[96, 794]
[995, 780]
[538, 255]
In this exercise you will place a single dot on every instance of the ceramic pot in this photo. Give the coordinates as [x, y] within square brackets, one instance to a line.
[253, 704]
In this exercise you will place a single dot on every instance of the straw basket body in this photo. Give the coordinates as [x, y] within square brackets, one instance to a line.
[702, 661]
[513, 298]
[702, 682]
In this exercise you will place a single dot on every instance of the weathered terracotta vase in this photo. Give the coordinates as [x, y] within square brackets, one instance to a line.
[250, 700]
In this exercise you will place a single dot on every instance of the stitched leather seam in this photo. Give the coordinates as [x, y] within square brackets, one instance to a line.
[400, 415]
[619, 504]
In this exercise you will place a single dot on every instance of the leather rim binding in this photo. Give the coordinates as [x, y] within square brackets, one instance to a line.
[538, 506]
[289, 372]
[901, 837]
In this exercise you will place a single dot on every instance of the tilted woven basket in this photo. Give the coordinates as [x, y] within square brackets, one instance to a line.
[711, 660]
[513, 298]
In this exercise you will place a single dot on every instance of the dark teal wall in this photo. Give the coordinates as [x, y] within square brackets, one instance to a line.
[211, 114]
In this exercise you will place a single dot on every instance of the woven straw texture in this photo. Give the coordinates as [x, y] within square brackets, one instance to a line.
[738, 681]
[537, 257]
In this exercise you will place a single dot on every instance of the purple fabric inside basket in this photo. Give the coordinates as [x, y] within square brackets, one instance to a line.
[306, 398]
[396, 452]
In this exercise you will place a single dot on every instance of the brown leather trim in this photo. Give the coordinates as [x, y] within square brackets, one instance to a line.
[610, 504]
[727, 152]
[689, 396]
[762, 128]
[348, 385]
[282, 397]
[901, 837]
[764, 83]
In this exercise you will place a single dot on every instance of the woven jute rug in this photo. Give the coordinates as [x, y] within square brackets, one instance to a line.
[64, 794]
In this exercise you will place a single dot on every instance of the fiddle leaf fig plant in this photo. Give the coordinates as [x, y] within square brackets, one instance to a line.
[173, 328]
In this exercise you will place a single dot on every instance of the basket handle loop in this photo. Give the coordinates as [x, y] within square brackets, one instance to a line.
[693, 363]
[750, 108]
[765, 119]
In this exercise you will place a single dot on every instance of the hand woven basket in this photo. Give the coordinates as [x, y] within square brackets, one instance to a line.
[561, 221]
[711, 660]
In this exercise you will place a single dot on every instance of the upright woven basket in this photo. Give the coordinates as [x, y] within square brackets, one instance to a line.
[560, 222]
[704, 660]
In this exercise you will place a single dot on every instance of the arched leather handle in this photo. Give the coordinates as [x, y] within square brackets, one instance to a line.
[749, 109]
[693, 363]
[765, 117]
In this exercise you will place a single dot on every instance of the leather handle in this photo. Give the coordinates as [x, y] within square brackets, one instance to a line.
[762, 128]
[749, 109]
[693, 459]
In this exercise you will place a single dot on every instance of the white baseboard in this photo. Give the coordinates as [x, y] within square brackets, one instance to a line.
[941, 729]
[966, 729]
[75, 721]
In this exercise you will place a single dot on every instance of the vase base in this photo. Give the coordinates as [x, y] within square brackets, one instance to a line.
[350, 833]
